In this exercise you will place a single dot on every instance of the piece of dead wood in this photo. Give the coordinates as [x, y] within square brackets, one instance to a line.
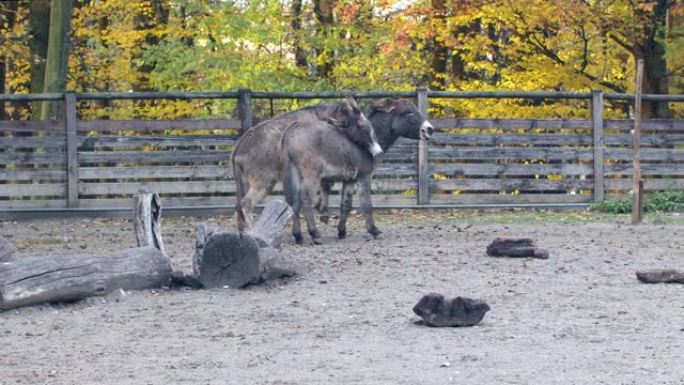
[238, 259]
[516, 248]
[147, 220]
[6, 250]
[33, 280]
[661, 276]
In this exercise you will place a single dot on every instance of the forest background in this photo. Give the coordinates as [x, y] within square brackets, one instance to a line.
[317, 45]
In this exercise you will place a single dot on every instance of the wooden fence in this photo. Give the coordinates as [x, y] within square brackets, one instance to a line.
[97, 165]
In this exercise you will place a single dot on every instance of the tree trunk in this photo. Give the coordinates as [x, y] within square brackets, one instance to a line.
[239, 259]
[7, 13]
[300, 54]
[35, 280]
[654, 52]
[39, 22]
[458, 66]
[3, 80]
[323, 9]
[229, 259]
[148, 23]
[57, 54]
[439, 50]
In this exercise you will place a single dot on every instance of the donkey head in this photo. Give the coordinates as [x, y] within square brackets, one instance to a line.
[348, 117]
[406, 120]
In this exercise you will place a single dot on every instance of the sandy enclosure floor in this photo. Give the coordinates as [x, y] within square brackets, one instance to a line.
[579, 317]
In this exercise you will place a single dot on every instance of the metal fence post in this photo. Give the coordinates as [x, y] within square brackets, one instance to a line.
[245, 109]
[71, 148]
[598, 144]
[423, 155]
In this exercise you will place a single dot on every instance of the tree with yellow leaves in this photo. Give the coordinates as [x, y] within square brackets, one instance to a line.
[294, 45]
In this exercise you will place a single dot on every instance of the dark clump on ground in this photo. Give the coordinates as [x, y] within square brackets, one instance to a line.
[516, 248]
[435, 310]
[661, 276]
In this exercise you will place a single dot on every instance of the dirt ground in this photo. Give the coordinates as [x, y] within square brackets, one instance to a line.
[579, 317]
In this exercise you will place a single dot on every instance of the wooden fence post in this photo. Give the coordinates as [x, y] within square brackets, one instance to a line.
[245, 109]
[71, 148]
[423, 155]
[597, 126]
[637, 183]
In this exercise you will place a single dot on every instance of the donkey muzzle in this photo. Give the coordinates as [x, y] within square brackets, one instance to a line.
[375, 149]
[426, 130]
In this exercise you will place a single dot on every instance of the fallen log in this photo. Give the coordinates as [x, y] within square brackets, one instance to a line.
[661, 276]
[435, 310]
[6, 250]
[516, 248]
[239, 259]
[35, 280]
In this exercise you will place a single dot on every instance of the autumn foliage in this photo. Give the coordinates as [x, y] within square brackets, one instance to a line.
[295, 45]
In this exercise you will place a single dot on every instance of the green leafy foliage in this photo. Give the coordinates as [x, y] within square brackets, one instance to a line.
[663, 201]
[614, 206]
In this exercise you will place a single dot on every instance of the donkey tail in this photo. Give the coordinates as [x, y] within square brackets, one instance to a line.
[240, 192]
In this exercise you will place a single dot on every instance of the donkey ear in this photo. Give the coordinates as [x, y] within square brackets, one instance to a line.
[385, 106]
[352, 102]
[336, 122]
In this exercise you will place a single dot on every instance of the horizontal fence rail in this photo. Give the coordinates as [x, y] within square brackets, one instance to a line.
[73, 165]
[335, 94]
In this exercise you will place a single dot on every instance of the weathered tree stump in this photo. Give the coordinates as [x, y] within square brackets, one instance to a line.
[6, 250]
[516, 248]
[661, 276]
[34, 280]
[238, 259]
[147, 221]
[435, 310]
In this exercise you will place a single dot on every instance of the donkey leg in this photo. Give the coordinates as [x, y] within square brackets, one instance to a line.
[291, 192]
[296, 225]
[241, 188]
[367, 205]
[245, 208]
[309, 191]
[346, 199]
[240, 215]
[323, 201]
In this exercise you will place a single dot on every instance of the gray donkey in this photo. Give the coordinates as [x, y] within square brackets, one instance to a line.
[257, 161]
[316, 156]
[391, 119]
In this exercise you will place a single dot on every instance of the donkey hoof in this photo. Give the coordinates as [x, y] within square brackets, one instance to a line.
[298, 238]
[341, 234]
[317, 241]
[324, 219]
[375, 232]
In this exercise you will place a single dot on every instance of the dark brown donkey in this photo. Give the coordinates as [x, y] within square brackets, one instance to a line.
[257, 163]
[316, 156]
